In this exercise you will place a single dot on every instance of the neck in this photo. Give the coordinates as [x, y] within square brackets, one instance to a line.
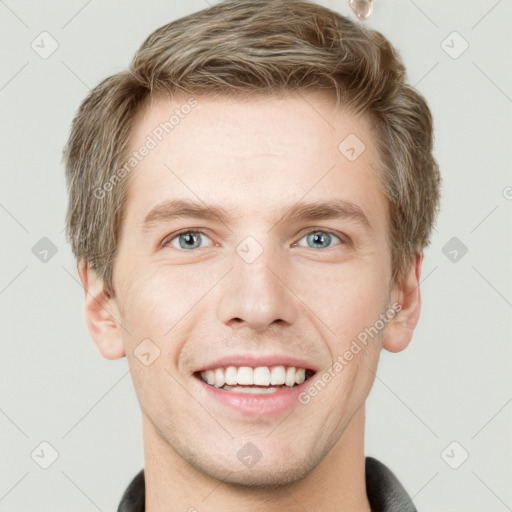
[336, 484]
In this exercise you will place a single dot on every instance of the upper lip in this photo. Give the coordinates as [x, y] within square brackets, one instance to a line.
[254, 361]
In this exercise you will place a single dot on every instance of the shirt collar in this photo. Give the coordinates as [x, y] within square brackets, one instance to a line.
[385, 492]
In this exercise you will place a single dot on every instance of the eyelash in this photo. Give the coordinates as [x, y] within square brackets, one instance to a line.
[343, 239]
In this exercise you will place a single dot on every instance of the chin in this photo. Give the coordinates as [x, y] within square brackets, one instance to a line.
[265, 474]
[265, 478]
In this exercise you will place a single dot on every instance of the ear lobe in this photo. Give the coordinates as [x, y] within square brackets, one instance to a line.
[99, 311]
[399, 330]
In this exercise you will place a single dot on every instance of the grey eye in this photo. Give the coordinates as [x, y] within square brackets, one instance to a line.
[190, 240]
[319, 239]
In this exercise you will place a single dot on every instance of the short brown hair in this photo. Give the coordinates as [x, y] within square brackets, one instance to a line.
[256, 46]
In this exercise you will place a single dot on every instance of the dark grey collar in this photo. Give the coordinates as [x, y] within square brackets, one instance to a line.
[385, 492]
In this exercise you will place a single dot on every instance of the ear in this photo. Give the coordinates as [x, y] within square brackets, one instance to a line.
[100, 314]
[399, 330]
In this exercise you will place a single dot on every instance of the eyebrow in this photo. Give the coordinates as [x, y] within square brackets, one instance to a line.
[177, 208]
[299, 212]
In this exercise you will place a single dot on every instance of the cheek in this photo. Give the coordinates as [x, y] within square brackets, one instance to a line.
[146, 310]
[158, 302]
[347, 298]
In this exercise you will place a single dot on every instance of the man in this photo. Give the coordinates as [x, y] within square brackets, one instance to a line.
[249, 205]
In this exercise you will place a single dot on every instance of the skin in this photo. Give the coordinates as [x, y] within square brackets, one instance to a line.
[253, 156]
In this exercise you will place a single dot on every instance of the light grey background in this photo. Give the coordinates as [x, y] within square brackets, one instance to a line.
[452, 384]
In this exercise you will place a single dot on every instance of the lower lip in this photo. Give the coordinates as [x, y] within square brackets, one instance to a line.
[257, 404]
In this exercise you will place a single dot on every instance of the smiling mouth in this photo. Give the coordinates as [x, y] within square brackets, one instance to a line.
[259, 379]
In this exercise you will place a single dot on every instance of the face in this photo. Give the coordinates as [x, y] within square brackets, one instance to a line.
[252, 255]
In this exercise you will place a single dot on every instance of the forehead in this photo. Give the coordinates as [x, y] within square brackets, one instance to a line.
[253, 154]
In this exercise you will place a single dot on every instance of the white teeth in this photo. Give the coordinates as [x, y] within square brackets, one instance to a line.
[300, 375]
[220, 378]
[290, 376]
[277, 375]
[261, 376]
[231, 373]
[245, 376]
[210, 377]
[242, 389]
[232, 377]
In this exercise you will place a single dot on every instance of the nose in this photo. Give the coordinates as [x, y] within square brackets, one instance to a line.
[257, 295]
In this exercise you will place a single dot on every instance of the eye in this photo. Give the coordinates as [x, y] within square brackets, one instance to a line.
[189, 240]
[319, 240]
